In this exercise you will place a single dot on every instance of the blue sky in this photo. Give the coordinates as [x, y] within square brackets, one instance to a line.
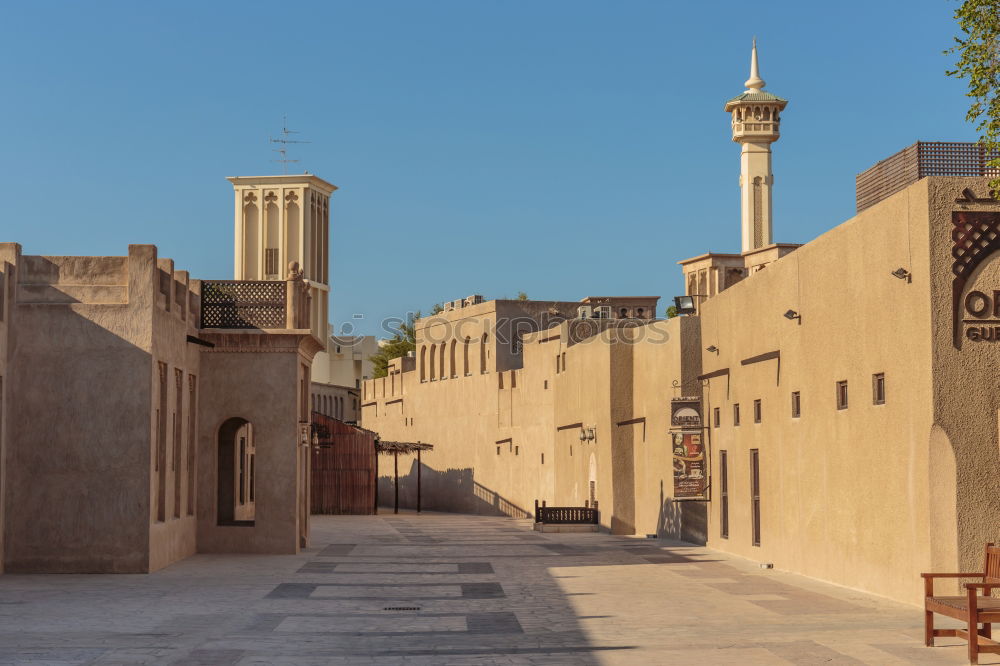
[564, 148]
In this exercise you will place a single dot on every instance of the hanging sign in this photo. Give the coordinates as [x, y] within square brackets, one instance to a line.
[685, 413]
[690, 471]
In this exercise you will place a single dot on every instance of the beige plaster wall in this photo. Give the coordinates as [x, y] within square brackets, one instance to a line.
[498, 448]
[863, 496]
[255, 386]
[9, 259]
[173, 538]
[78, 426]
[964, 446]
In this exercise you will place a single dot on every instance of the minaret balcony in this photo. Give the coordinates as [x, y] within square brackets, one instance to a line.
[756, 129]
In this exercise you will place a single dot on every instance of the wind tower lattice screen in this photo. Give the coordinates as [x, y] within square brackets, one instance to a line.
[924, 158]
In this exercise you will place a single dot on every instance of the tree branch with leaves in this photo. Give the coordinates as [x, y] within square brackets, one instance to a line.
[978, 48]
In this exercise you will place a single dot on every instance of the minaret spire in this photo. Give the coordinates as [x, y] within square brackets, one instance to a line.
[754, 83]
[756, 118]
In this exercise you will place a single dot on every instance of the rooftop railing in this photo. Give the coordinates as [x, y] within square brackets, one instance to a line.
[243, 304]
[924, 158]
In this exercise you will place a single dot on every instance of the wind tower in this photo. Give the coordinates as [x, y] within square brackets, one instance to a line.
[281, 221]
[756, 123]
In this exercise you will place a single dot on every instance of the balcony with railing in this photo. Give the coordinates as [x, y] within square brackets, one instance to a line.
[255, 304]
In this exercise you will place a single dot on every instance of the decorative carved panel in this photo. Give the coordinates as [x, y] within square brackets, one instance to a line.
[976, 236]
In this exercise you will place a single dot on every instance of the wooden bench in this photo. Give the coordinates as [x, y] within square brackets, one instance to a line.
[975, 607]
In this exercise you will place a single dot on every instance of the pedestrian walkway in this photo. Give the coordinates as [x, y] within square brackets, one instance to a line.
[453, 589]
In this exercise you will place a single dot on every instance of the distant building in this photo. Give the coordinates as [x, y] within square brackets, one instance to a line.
[338, 373]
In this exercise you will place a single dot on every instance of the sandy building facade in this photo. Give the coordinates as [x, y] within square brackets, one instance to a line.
[337, 374]
[576, 418]
[146, 416]
[847, 387]
[852, 396]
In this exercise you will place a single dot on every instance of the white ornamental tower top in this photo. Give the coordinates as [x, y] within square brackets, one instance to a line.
[756, 125]
[754, 83]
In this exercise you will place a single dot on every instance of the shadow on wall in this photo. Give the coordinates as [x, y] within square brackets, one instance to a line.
[453, 490]
[686, 520]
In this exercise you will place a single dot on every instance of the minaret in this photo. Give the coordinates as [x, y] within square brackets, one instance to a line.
[755, 126]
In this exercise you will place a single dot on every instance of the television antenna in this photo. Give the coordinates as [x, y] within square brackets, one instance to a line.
[283, 140]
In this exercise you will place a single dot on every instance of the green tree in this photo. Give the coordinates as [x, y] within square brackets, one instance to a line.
[400, 344]
[671, 311]
[521, 296]
[979, 63]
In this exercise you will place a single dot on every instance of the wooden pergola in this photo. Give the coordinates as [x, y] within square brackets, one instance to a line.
[394, 449]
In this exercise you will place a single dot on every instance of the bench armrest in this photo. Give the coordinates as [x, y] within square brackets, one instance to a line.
[978, 574]
[981, 586]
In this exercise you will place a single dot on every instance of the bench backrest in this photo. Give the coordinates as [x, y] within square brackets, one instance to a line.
[991, 568]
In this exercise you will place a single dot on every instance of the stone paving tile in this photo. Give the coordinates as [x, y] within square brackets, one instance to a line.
[487, 590]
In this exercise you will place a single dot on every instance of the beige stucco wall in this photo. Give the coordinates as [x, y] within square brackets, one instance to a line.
[9, 258]
[861, 496]
[346, 361]
[498, 448]
[81, 420]
[964, 486]
[256, 386]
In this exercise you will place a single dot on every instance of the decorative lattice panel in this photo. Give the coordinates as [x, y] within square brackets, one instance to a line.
[976, 236]
[243, 304]
[924, 158]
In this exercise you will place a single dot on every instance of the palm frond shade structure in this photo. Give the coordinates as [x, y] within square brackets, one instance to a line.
[394, 449]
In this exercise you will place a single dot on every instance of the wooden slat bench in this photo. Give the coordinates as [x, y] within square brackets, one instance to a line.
[975, 607]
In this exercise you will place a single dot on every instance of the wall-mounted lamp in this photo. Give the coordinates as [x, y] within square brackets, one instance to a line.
[587, 434]
[713, 349]
[792, 314]
[685, 305]
[902, 274]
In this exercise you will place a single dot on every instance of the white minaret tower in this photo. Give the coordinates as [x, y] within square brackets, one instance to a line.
[755, 126]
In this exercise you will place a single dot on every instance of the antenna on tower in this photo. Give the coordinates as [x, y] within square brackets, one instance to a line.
[284, 141]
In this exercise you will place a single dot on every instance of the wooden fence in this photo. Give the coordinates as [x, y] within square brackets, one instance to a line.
[343, 468]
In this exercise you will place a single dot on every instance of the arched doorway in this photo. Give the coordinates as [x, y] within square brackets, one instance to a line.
[235, 473]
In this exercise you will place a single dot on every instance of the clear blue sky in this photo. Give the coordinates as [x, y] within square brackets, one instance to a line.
[565, 148]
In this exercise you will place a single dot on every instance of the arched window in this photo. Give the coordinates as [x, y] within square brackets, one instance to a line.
[639, 312]
[465, 353]
[432, 363]
[767, 113]
[423, 363]
[623, 313]
[235, 482]
[441, 370]
[452, 360]
[482, 353]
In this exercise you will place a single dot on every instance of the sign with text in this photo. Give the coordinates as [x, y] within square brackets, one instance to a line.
[690, 470]
[685, 413]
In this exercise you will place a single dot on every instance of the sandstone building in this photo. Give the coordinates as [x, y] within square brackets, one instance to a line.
[337, 374]
[847, 387]
[145, 415]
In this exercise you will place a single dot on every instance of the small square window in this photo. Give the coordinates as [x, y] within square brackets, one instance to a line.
[878, 388]
[756, 411]
[796, 405]
[736, 414]
[842, 394]
[715, 417]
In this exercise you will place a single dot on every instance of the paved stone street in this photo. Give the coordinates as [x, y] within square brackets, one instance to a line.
[451, 589]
